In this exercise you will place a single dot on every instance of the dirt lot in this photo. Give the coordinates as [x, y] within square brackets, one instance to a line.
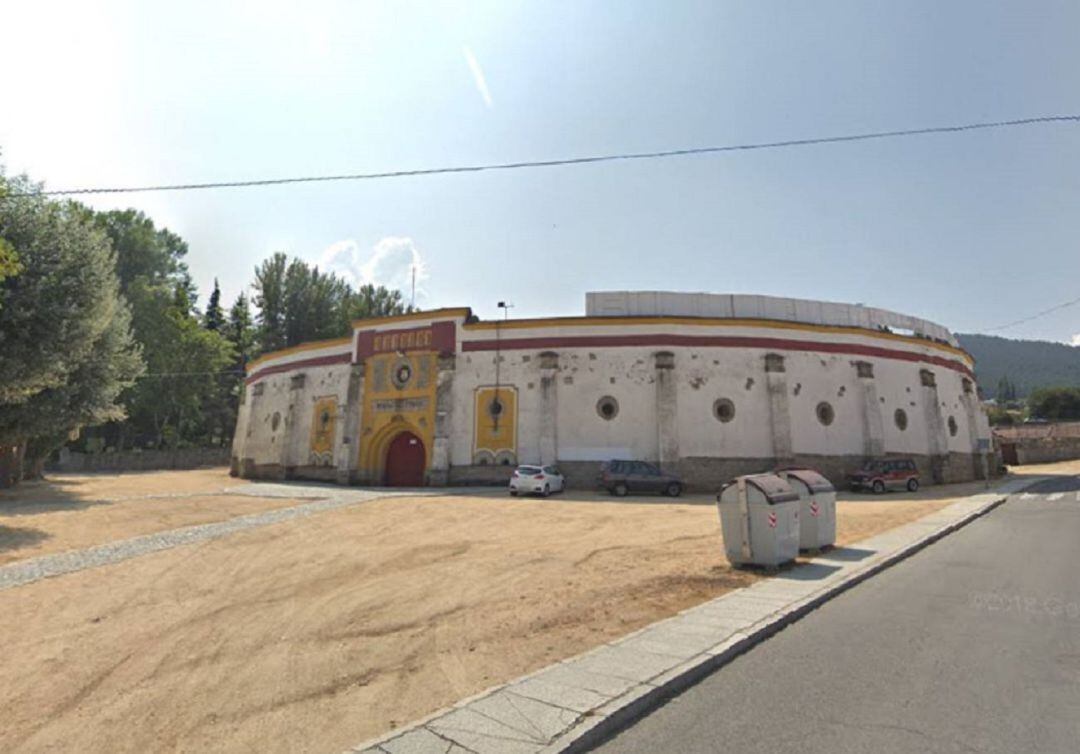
[74, 511]
[318, 633]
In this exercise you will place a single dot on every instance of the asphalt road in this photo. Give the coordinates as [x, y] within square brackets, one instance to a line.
[971, 645]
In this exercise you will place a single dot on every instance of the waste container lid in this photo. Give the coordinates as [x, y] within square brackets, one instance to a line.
[775, 489]
[813, 480]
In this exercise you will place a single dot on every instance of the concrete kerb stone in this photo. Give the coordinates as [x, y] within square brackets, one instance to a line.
[598, 693]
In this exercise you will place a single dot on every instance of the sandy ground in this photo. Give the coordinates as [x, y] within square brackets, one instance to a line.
[75, 511]
[316, 634]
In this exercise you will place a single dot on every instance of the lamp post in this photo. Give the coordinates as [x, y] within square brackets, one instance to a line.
[498, 358]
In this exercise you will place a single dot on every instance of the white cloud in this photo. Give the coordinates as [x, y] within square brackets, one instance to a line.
[390, 262]
[478, 76]
[1075, 340]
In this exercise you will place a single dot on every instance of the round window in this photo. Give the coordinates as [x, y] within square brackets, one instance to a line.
[900, 417]
[724, 410]
[495, 408]
[953, 428]
[402, 374]
[825, 413]
[607, 407]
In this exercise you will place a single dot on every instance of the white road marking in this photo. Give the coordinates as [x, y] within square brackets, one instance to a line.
[1027, 496]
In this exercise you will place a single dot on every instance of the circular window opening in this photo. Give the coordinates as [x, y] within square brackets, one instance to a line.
[825, 413]
[401, 374]
[607, 407]
[495, 408]
[953, 428]
[900, 417]
[724, 410]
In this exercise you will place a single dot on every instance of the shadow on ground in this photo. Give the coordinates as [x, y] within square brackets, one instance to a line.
[14, 538]
[44, 496]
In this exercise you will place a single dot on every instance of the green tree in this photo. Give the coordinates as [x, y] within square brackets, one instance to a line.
[1055, 403]
[376, 301]
[143, 250]
[178, 401]
[270, 300]
[240, 331]
[65, 332]
[297, 302]
[214, 317]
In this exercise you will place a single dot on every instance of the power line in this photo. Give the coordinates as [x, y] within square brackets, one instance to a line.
[563, 161]
[1043, 313]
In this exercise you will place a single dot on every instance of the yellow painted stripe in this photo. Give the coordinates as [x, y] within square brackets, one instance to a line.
[311, 346]
[363, 324]
[522, 324]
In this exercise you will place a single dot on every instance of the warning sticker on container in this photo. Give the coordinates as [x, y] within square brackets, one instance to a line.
[772, 520]
[814, 510]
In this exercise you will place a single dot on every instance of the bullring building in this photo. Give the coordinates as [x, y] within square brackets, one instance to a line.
[706, 385]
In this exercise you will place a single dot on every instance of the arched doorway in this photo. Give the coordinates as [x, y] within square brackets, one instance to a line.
[405, 461]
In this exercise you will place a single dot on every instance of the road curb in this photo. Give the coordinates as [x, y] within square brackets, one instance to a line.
[622, 718]
[582, 701]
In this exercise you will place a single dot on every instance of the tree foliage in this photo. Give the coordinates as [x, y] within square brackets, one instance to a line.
[1055, 403]
[65, 336]
[144, 251]
[298, 303]
[214, 317]
[184, 397]
[179, 401]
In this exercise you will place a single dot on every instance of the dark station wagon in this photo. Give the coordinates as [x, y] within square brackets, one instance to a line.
[622, 477]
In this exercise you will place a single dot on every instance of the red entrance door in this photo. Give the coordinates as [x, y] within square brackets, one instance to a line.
[405, 460]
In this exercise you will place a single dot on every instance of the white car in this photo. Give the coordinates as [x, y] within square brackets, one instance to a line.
[541, 480]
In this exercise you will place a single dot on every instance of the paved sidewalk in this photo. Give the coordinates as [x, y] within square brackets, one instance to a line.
[573, 704]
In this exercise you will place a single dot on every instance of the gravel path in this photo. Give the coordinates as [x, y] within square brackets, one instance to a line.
[28, 571]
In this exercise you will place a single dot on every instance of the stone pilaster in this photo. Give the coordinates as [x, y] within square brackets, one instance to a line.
[347, 445]
[439, 469]
[549, 407]
[245, 465]
[872, 422]
[666, 410]
[937, 442]
[779, 412]
[288, 424]
[970, 402]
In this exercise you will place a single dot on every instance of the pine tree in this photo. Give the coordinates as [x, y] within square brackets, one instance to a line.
[240, 331]
[214, 317]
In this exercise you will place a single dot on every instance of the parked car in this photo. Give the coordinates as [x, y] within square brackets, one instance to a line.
[538, 480]
[622, 477]
[893, 473]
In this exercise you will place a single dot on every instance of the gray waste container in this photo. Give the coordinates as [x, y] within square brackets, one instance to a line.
[759, 515]
[817, 507]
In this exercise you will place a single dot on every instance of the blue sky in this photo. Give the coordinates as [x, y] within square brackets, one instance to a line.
[972, 231]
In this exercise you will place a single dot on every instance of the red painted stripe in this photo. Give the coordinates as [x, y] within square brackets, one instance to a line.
[713, 341]
[319, 361]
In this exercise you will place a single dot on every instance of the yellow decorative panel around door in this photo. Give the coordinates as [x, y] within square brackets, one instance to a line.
[399, 396]
[323, 425]
[495, 426]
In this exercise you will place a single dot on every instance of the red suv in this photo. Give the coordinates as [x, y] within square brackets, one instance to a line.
[893, 473]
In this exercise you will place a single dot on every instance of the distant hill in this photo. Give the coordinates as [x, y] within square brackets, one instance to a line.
[1029, 364]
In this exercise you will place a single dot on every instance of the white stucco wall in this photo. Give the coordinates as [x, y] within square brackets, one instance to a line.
[715, 359]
